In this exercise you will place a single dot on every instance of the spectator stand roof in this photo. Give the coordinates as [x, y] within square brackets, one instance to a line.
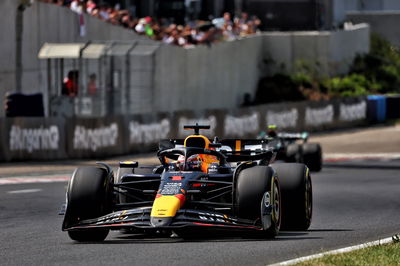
[94, 49]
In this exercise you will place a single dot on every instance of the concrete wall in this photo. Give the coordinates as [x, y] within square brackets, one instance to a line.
[215, 76]
[384, 23]
[171, 78]
[44, 23]
[7, 49]
[284, 50]
[345, 45]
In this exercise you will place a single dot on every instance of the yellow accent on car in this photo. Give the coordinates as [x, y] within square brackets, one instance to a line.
[165, 206]
[238, 145]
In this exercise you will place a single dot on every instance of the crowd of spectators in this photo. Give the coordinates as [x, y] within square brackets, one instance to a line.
[160, 29]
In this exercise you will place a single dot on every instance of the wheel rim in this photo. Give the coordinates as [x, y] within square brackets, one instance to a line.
[276, 205]
[308, 197]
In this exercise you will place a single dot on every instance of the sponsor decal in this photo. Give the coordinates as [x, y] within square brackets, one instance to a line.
[319, 116]
[352, 112]
[240, 126]
[34, 139]
[94, 139]
[211, 120]
[283, 119]
[112, 218]
[171, 188]
[148, 133]
[215, 217]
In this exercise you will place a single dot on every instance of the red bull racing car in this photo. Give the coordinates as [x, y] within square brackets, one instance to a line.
[230, 184]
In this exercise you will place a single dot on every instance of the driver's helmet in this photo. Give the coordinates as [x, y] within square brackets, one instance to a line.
[193, 163]
[272, 131]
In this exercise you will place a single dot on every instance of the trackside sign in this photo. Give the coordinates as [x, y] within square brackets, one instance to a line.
[61, 138]
[33, 138]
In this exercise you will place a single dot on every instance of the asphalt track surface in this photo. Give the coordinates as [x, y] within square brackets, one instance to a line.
[354, 202]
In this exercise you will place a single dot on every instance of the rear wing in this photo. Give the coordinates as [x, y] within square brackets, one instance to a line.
[237, 150]
[243, 145]
[225, 145]
[234, 149]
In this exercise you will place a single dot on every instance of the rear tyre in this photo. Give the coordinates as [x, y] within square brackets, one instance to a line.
[312, 155]
[296, 195]
[257, 197]
[89, 196]
[294, 153]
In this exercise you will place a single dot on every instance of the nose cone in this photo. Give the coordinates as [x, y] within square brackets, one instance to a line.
[161, 221]
[164, 210]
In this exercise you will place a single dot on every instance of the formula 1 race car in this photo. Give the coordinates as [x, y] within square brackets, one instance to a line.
[200, 185]
[289, 149]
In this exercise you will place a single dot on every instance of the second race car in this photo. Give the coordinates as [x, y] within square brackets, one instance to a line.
[294, 147]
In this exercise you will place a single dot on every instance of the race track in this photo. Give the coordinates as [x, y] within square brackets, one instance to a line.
[354, 202]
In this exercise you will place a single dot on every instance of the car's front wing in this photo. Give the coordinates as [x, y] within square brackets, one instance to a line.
[140, 219]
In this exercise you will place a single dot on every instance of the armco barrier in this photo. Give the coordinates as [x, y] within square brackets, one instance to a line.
[47, 138]
[376, 108]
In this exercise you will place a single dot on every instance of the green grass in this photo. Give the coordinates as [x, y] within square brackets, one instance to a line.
[378, 255]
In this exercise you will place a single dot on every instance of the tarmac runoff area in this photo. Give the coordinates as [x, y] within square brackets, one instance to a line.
[378, 143]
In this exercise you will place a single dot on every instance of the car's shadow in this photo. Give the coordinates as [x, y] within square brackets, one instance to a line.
[124, 238]
[131, 238]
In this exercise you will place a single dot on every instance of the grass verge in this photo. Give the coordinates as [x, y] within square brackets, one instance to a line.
[388, 254]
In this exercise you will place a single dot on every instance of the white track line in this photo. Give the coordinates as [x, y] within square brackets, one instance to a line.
[30, 179]
[24, 191]
[336, 251]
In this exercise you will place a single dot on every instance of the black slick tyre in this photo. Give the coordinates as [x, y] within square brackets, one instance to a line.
[253, 185]
[312, 155]
[89, 196]
[294, 153]
[296, 195]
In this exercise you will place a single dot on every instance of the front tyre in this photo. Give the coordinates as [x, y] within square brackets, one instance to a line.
[89, 196]
[88, 236]
[257, 197]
